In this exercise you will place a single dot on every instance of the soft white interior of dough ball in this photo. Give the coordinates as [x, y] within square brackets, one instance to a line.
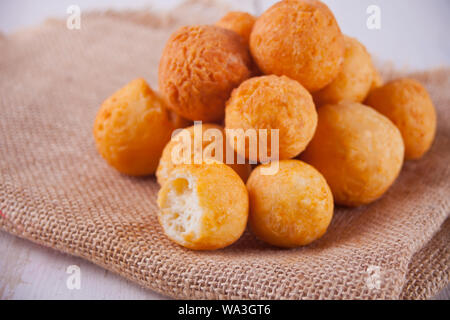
[182, 212]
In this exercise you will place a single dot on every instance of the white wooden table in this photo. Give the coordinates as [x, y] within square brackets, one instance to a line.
[29, 271]
[413, 34]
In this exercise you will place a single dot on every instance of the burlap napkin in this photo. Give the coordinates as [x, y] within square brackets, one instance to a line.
[55, 189]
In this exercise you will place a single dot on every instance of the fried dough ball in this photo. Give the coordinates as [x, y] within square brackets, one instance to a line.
[355, 79]
[199, 68]
[407, 103]
[203, 207]
[239, 22]
[358, 150]
[300, 39]
[132, 127]
[172, 158]
[272, 102]
[291, 208]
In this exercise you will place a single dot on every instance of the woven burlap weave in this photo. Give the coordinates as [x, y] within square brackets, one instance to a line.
[55, 189]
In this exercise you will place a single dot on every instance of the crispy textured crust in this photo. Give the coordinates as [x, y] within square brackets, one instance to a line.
[299, 39]
[199, 68]
[292, 208]
[132, 128]
[166, 164]
[355, 79]
[272, 102]
[359, 151]
[222, 219]
[407, 103]
[240, 22]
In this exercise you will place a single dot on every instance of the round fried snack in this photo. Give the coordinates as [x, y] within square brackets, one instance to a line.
[407, 103]
[239, 22]
[272, 103]
[300, 39]
[292, 208]
[210, 135]
[132, 127]
[203, 207]
[358, 150]
[355, 79]
[199, 68]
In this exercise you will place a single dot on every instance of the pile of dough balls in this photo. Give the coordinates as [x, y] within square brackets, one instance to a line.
[343, 133]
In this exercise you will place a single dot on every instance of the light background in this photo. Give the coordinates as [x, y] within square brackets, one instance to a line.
[413, 35]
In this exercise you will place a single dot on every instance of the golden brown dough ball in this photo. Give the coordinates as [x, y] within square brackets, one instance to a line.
[355, 79]
[239, 22]
[199, 68]
[172, 155]
[407, 103]
[300, 39]
[203, 207]
[358, 150]
[132, 127]
[291, 208]
[272, 102]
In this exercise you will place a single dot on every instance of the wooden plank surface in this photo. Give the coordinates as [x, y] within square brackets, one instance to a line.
[29, 271]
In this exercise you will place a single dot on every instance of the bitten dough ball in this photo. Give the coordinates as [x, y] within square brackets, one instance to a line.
[292, 208]
[168, 163]
[132, 127]
[358, 151]
[203, 207]
[355, 79]
[239, 22]
[407, 103]
[199, 68]
[300, 39]
[272, 102]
